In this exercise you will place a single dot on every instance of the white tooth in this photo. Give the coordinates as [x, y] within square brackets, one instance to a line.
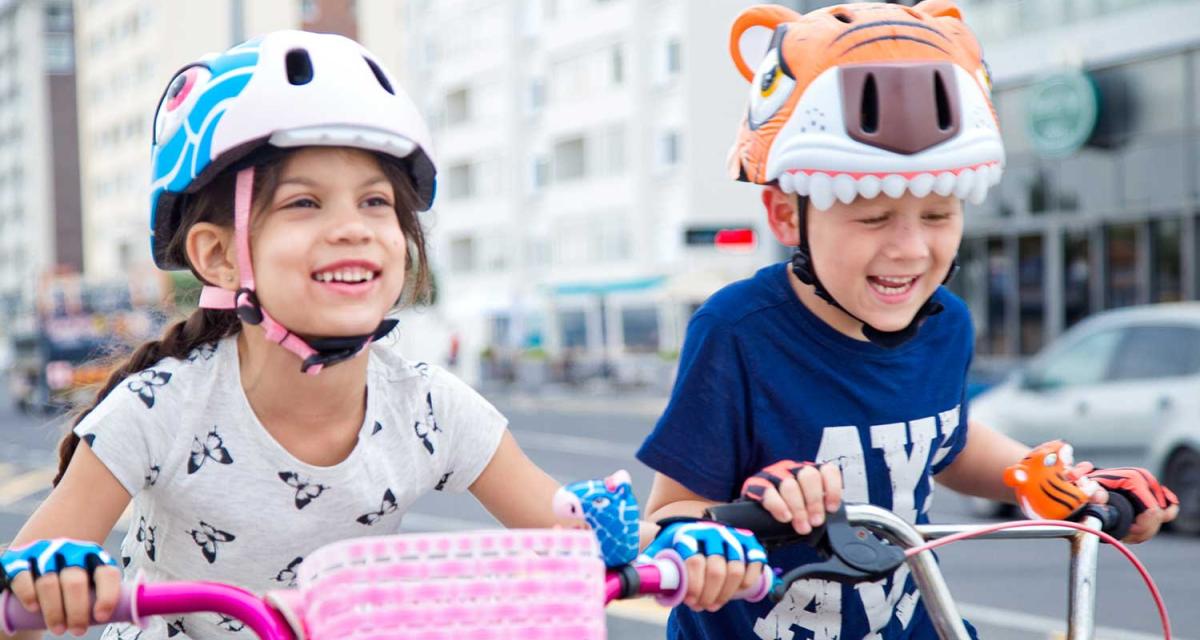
[966, 180]
[868, 186]
[786, 183]
[944, 184]
[342, 275]
[370, 276]
[820, 191]
[843, 187]
[979, 190]
[800, 181]
[984, 174]
[997, 173]
[921, 184]
[894, 185]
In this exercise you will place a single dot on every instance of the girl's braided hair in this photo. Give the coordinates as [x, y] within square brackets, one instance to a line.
[213, 204]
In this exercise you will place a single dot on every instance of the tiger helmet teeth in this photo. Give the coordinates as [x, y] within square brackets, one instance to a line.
[861, 99]
[1040, 481]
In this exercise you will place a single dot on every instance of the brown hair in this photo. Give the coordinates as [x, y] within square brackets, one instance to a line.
[213, 204]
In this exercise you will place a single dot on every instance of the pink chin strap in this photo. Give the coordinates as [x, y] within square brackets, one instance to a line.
[245, 302]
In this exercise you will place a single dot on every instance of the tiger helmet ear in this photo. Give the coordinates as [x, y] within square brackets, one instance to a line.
[750, 36]
[939, 9]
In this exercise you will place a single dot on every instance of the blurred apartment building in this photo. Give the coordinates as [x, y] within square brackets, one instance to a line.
[1098, 207]
[39, 168]
[581, 147]
[128, 50]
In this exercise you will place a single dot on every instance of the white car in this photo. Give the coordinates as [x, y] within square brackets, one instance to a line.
[1123, 387]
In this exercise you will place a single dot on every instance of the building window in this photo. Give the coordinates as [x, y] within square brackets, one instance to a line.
[458, 106]
[669, 151]
[1077, 276]
[460, 181]
[462, 255]
[1121, 286]
[58, 17]
[537, 95]
[617, 65]
[539, 173]
[674, 61]
[1165, 261]
[570, 159]
[573, 326]
[1031, 276]
[640, 328]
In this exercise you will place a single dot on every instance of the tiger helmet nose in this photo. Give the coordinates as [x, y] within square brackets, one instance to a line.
[903, 107]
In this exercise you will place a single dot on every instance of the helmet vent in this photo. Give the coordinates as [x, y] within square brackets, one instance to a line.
[944, 115]
[299, 67]
[383, 81]
[843, 17]
[870, 106]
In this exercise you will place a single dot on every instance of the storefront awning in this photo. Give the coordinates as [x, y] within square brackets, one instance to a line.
[612, 286]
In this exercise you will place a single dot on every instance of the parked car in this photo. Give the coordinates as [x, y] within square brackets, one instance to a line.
[1123, 387]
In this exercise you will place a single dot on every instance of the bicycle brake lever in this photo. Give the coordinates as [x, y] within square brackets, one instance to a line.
[852, 555]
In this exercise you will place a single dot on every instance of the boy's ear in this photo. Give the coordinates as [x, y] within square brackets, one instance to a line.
[211, 252]
[750, 36]
[782, 215]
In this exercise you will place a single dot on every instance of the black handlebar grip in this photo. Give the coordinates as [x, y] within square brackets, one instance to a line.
[1116, 517]
[749, 515]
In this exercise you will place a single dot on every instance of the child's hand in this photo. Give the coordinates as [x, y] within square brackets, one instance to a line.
[720, 560]
[1153, 504]
[61, 590]
[797, 492]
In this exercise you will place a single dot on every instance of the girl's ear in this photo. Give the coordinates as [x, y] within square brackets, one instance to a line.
[211, 252]
[782, 215]
[751, 35]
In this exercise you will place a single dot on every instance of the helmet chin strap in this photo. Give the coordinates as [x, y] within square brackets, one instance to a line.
[806, 272]
[315, 353]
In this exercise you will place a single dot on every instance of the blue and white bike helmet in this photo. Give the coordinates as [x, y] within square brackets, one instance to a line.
[285, 89]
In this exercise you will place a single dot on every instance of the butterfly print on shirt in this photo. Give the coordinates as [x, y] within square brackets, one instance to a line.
[306, 491]
[387, 506]
[229, 623]
[288, 575]
[422, 368]
[145, 382]
[125, 560]
[377, 428]
[427, 427]
[207, 537]
[212, 448]
[203, 352]
[152, 477]
[90, 439]
[146, 535]
[441, 484]
[175, 627]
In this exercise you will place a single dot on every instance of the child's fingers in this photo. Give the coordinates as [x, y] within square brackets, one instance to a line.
[735, 570]
[752, 575]
[831, 473]
[714, 582]
[793, 498]
[22, 587]
[696, 571]
[108, 591]
[49, 593]
[812, 484]
[774, 504]
[76, 599]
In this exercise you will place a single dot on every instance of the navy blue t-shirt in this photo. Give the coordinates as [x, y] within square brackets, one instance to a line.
[762, 379]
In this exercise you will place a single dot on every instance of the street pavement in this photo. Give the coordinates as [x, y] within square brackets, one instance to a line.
[1009, 589]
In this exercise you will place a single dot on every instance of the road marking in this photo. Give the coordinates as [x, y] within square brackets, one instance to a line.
[576, 445]
[26, 484]
[642, 407]
[1041, 625]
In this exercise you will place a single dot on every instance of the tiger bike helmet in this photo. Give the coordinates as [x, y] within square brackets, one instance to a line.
[860, 99]
[283, 90]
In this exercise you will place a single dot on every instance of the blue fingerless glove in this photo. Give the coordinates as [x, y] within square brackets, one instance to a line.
[691, 536]
[52, 556]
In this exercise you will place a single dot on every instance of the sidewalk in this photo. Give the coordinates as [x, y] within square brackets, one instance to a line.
[594, 398]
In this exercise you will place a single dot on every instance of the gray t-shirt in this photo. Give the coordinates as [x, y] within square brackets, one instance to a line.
[217, 498]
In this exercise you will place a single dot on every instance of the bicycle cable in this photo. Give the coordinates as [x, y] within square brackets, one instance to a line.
[1154, 592]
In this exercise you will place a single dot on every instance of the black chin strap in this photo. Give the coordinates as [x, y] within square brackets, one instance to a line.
[330, 351]
[806, 272]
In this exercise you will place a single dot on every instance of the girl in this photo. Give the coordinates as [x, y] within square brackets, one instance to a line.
[867, 125]
[268, 423]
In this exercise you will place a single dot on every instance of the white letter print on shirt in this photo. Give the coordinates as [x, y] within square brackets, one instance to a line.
[813, 608]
